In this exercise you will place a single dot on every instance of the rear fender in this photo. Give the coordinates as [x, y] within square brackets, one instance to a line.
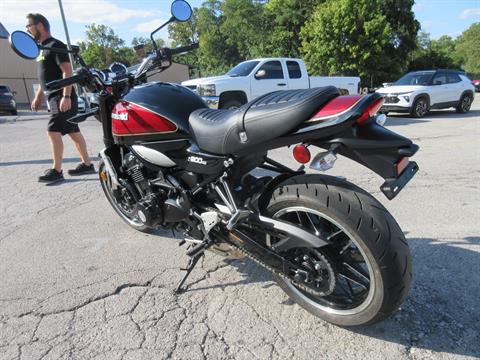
[380, 150]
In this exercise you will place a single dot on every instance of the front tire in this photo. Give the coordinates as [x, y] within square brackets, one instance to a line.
[420, 108]
[373, 246]
[124, 208]
[232, 104]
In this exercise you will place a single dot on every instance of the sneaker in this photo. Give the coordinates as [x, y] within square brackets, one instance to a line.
[51, 176]
[82, 169]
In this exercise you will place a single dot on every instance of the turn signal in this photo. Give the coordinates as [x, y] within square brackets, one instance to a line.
[301, 154]
[371, 110]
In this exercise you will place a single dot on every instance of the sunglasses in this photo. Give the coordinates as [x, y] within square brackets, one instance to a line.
[29, 25]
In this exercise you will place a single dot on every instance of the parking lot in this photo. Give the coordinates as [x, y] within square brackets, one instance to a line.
[78, 283]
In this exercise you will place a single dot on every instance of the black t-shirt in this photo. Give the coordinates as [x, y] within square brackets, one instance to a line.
[49, 61]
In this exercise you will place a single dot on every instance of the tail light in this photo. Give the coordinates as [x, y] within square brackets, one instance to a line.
[371, 110]
[301, 154]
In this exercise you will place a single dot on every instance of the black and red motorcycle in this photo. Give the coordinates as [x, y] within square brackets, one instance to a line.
[170, 162]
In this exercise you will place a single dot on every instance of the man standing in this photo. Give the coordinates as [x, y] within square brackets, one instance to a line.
[63, 103]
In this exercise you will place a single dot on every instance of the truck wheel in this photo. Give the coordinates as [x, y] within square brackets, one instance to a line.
[231, 104]
[419, 108]
[14, 112]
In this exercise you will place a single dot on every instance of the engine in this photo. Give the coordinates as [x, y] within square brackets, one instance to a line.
[159, 201]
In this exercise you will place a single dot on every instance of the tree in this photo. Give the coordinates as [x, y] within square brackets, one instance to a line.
[285, 19]
[103, 46]
[241, 26]
[348, 37]
[468, 48]
[404, 28]
[434, 54]
[186, 33]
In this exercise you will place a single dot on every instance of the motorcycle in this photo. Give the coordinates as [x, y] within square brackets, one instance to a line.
[170, 162]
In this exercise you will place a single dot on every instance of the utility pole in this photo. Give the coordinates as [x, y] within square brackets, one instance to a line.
[69, 46]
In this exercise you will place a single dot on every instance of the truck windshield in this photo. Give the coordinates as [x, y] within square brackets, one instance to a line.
[243, 69]
[418, 78]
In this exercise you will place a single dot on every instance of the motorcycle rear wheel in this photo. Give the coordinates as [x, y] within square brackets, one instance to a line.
[368, 251]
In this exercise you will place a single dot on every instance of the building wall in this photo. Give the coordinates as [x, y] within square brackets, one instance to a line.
[19, 74]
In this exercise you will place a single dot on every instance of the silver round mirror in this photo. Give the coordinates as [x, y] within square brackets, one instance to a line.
[24, 45]
[181, 10]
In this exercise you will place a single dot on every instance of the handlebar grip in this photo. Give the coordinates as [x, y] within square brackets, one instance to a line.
[58, 84]
[182, 49]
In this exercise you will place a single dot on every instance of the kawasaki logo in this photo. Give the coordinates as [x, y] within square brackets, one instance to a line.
[197, 160]
[121, 116]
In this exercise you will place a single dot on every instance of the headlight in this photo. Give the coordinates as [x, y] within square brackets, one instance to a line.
[12, 102]
[206, 90]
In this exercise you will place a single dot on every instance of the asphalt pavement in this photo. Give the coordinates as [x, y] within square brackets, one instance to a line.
[77, 283]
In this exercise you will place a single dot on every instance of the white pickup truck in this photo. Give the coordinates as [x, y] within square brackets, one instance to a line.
[253, 78]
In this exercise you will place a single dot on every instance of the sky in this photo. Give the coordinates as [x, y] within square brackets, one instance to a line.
[133, 18]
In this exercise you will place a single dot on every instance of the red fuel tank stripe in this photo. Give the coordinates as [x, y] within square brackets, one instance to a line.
[336, 106]
[132, 119]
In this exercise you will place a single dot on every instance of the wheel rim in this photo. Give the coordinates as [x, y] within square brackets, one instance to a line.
[421, 108]
[355, 284]
[466, 103]
[123, 209]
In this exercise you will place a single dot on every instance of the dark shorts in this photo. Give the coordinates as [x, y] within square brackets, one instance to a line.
[58, 120]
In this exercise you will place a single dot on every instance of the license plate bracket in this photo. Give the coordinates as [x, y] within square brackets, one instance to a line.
[392, 186]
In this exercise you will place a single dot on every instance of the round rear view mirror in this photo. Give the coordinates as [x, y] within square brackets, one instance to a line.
[24, 45]
[181, 10]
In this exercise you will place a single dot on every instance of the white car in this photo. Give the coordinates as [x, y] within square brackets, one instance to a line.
[251, 79]
[418, 92]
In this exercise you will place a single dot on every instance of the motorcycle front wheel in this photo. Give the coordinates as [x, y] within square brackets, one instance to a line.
[367, 263]
[121, 201]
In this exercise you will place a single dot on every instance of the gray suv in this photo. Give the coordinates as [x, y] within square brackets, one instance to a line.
[7, 102]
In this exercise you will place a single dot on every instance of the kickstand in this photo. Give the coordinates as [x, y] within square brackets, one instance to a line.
[191, 264]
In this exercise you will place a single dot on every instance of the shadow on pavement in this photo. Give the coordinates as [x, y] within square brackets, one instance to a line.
[434, 317]
[40, 162]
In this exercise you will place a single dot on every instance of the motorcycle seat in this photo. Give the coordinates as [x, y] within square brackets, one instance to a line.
[267, 117]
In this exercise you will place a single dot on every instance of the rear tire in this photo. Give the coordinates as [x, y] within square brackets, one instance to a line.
[121, 210]
[371, 231]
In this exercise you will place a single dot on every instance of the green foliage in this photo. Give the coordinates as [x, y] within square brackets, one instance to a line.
[186, 33]
[284, 20]
[468, 48]
[103, 47]
[348, 37]
[435, 54]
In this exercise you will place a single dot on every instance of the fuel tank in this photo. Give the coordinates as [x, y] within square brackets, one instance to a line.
[154, 111]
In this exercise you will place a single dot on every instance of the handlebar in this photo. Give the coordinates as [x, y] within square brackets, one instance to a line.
[183, 49]
[58, 84]
[84, 75]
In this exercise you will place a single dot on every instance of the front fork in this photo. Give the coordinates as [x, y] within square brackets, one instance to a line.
[105, 103]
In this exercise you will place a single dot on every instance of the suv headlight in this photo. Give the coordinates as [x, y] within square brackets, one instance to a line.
[12, 102]
[206, 90]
